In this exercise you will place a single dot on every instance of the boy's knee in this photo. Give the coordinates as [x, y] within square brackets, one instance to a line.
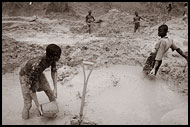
[27, 106]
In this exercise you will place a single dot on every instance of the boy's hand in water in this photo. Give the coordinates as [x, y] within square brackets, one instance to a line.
[55, 93]
[40, 110]
[152, 73]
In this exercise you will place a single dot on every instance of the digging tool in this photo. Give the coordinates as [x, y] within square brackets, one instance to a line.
[85, 87]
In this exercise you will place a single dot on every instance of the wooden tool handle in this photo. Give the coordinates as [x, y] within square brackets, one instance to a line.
[88, 63]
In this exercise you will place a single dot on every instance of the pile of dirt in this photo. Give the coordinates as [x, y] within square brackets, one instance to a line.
[104, 53]
[74, 9]
[42, 9]
[175, 69]
[21, 27]
[15, 53]
[161, 8]
[79, 28]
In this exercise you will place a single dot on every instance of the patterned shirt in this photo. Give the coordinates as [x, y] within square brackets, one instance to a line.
[34, 68]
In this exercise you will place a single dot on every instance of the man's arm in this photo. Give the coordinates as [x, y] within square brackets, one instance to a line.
[93, 18]
[86, 19]
[54, 78]
[184, 13]
[141, 18]
[182, 53]
[174, 47]
[155, 68]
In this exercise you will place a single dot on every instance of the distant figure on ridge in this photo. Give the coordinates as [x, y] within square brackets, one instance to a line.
[137, 22]
[89, 20]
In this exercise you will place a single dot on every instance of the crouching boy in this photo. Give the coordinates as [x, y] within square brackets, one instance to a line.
[32, 78]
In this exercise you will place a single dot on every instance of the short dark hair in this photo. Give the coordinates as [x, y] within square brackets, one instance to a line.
[53, 50]
[136, 13]
[163, 27]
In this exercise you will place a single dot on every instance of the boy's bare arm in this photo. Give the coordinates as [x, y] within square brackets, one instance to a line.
[54, 78]
[156, 66]
[142, 18]
[86, 19]
[182, 53]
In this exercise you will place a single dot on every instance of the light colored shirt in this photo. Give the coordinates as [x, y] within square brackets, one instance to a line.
[162, 47]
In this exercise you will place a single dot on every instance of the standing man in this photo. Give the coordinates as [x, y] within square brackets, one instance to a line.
[89, 20]
[185, 13]
[169, 8]
[136, 21]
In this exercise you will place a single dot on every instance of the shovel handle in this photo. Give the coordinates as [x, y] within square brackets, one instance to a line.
[84, 89]
[87, 63]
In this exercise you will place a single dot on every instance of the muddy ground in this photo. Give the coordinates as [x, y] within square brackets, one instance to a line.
[116, 86]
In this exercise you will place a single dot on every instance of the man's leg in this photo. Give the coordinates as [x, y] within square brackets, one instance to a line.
[135, 28]
[89, 26]
[44, 86]
[138, 27]
[26, 96]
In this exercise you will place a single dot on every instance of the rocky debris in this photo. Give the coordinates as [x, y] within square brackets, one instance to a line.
[15, 53]
[177, 72]
[75, 121]
[21, 27]
[66, 73]
[79, 29]
[103, 53]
